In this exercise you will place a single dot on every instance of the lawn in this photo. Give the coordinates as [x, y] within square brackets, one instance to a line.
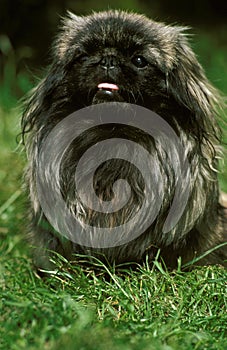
[98, 307]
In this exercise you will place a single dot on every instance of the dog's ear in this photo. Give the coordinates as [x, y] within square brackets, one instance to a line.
[65, 41]
[45, 101]
[188, 84]
[32, 109]
[51, 93]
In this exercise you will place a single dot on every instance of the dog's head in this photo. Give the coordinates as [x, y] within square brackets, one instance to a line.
[119, 56]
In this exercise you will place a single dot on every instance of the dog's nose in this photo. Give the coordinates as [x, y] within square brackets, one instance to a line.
[108, 62]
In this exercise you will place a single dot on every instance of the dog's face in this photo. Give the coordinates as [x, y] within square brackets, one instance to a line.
[114, 58]
[121, 51]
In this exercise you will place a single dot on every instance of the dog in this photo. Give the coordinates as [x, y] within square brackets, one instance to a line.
[120, 58]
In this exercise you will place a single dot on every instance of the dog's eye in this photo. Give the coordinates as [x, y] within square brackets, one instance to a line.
[139, 61]
[82, 58]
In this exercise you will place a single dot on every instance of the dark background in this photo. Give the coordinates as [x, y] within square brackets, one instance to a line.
[33, 23]
[28, 27]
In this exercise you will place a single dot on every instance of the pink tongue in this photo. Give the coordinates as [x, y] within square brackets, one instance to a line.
[108, 86]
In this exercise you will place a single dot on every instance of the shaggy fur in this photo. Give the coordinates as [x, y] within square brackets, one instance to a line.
[153, 66]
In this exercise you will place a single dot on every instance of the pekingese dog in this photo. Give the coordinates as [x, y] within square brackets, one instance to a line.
[127, 59]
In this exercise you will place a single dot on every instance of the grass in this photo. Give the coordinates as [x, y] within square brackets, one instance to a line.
[86, 308]
[97, 307]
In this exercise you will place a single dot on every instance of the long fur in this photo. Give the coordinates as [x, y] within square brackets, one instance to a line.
[174, 86]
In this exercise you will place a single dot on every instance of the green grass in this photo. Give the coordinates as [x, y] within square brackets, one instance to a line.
[83, 308]
[97, 307]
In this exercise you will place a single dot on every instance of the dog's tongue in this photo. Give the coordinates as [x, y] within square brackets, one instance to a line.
[108, 86]
[107, 92]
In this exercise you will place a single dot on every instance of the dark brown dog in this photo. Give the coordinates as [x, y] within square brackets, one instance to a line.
[120, 57]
